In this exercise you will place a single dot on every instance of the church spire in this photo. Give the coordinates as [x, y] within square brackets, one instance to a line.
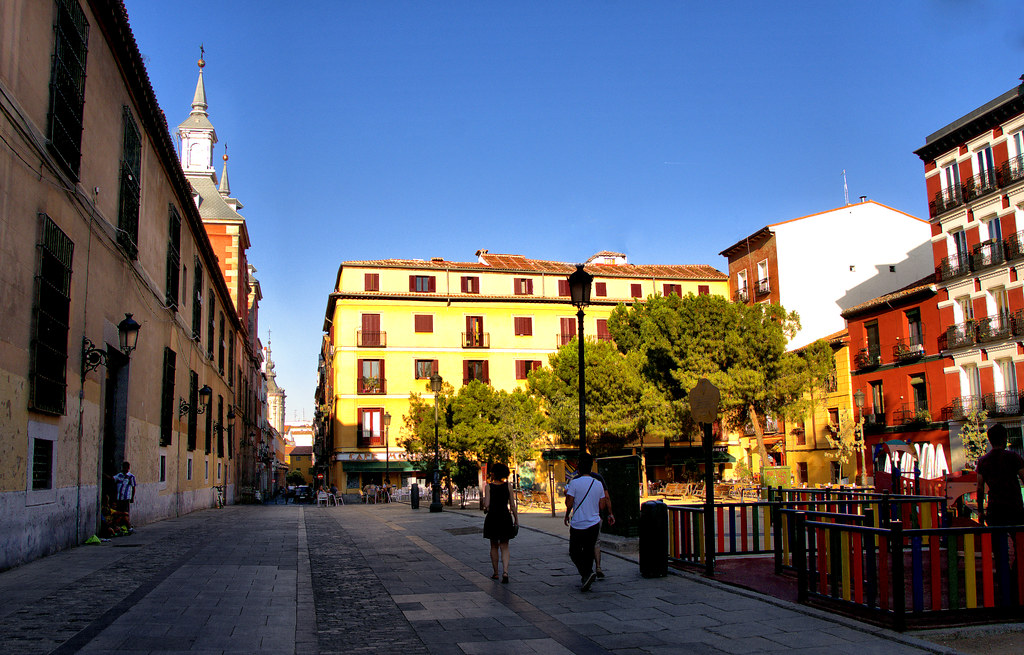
[196, 132]
[225, 188]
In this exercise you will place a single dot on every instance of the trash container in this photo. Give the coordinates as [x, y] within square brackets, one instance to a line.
[654, 539]
[414, 497]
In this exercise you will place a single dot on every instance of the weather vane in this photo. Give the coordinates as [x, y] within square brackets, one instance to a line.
[202, 53]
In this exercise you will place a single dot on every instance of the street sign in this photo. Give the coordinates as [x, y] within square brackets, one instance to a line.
[704, 400]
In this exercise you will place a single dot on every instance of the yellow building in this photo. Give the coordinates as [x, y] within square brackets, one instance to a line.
[300, 460]
[390, 324]
[803, 445]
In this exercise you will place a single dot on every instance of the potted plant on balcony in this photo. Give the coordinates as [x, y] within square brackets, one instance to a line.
[921, 417]
[369, 384]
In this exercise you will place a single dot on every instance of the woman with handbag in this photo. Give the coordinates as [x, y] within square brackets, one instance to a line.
[502, 520]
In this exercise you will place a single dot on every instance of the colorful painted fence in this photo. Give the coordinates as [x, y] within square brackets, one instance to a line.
[740, 529]
[910, 577]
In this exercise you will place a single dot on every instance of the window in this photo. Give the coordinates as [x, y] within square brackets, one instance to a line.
[994, 229]
[231, 359]
[951, 179]
[371, 376]
[703, 290]
[741, 281]
[475, 369]
[523, 286]
[801, 436]
[567, 330]
[985, 167]
[959, 244]
[966, 309]
[188, 469]
[524, 366]
[422, 283]
[173, 258]
[48, 349]
[371, 282]
[197, 302]
[763, 284]
[423, 322]
[163, 468]
[635, 292]
[601, 289]
[210, 323]
[523, 326]
[677, 289]
[475, 337]
[167, 407]
[368, 429]
[470, 284]
[193, 405]
[128, 200]
[42, 464]
[918, 393]
[877, 398]
[915, 331]
[1008, 373]
[208, 412]
[970, 380]
[801, 472]
[874, 347]
[370, 335]
[220, 427]
[424, 368]
[602, 330]
[67, 86]
[833, 417]
[220, 346]
[563, 288]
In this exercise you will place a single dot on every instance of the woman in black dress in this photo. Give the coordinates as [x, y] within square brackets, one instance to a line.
[500, 508]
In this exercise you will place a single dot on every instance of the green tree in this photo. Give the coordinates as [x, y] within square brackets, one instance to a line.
[975, 438]
[741, 349]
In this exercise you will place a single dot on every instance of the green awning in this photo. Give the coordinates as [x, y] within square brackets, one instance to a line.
[375, 467]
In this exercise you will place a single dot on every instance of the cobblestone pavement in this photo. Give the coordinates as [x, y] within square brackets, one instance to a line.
[385, 578]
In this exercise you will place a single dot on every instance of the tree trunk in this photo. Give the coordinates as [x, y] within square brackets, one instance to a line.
[759, 434]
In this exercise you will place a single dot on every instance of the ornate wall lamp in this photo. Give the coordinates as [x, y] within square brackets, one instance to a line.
[127, 338]
[205, 394]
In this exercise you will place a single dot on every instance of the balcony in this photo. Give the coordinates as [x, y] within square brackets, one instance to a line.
[476, 339]
[980, 185]
[912, 414]
[962, 407]
[945, 200]
[563, 339]
[367, 438]
[993, 328]
[763, 287]
[908, 350]
[366, 339]
[960, 335]
[1015, 246]
[1012, 171]
[873, 421]
[1003, 403]
[988, 254]
[867, 358]
[770, 425]
[371, 385]
[741, 295]
[953, 267]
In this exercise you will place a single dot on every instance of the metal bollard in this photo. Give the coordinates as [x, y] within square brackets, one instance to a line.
[414, 497]
[654, 539]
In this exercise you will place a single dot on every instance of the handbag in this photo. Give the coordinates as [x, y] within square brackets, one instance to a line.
[515, 531]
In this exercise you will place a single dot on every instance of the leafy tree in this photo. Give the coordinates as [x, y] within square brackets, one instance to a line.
[741, 349]
[975, 438]
[845, 441]
[295, 478]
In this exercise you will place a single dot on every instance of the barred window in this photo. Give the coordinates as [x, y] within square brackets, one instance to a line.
[67, 86]
[208, 442]
[210, 323]
[173, 258]
[193, 404]
[220, 347]
[42, 464]
[128, 202]
[197, 302]
[220, 426]
[231, 359]
[49, 345]
[167, 398]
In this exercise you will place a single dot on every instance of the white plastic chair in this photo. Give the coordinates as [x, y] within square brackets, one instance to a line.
[322, 498]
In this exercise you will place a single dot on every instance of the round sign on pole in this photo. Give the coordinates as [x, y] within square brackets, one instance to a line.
[704, 400]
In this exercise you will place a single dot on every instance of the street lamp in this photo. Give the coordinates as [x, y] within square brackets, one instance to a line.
[435, 498]
[579, 292]
[387, 454]
[127, 340]
[858, 399]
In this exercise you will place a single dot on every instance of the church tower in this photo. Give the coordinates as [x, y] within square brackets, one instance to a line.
[275, 396]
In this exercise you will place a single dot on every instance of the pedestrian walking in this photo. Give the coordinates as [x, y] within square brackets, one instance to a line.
[502, 518]
[125, 481]
[1001, 471]
[584, 501]
[604, 515]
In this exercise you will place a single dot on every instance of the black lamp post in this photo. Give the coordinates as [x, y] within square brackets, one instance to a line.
[387, 454]
[435, 497]
[579, 291]
[127, 339]
[858, 398]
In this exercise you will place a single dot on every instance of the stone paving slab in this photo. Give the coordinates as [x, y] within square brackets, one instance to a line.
[384, 578]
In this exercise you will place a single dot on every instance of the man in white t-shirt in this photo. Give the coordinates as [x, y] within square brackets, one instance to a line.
[584, 500]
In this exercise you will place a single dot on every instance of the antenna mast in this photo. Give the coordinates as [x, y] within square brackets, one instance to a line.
[846, 191]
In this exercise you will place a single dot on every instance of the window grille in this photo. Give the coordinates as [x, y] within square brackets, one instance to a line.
[173, 258]
[220, 347]
[231, 359]
[193, 402]
[128, 203]
[210, 323]
[49, 345]
[208, 441]
[67, 86]
[167, 407]
[197, 302]
[42, 464]
[220, 426]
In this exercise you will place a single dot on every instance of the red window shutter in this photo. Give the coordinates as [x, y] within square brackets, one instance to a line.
[465, 370]
[520, 369]
[435, 366]
[371, 282]
[602, 329]
[601, 288]
[634, 290]
[465, 284]
[703, 290]
[563, 287]
[424, 323]
[433, 284]
[412, 283]
[383, 378]
[487, 376]
[527, 326]
[529, 287]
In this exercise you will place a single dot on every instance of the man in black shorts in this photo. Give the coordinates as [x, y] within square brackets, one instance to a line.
[1001, 471]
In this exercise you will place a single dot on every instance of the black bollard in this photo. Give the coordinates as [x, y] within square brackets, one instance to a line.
[654, 539]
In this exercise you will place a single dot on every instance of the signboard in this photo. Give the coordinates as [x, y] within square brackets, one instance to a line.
[704, 401]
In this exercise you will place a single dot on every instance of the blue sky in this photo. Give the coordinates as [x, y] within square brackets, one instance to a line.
[664, 130]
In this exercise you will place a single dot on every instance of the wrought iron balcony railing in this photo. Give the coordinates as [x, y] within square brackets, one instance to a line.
[1012, 171]
[867, 358]
[763, 287]
[960, 335]
[953, 266]
[985, 255]
[366, 339]
[980, 185]
[993, 328]
[873, 420]
[371, 385]
[1003, 403]
[476, 339]
[561, 339]
[912, 414]
[1015, 246]
[741, 295]
[1008, 173]
[945, 200]
[907, 350]
[962, 406]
